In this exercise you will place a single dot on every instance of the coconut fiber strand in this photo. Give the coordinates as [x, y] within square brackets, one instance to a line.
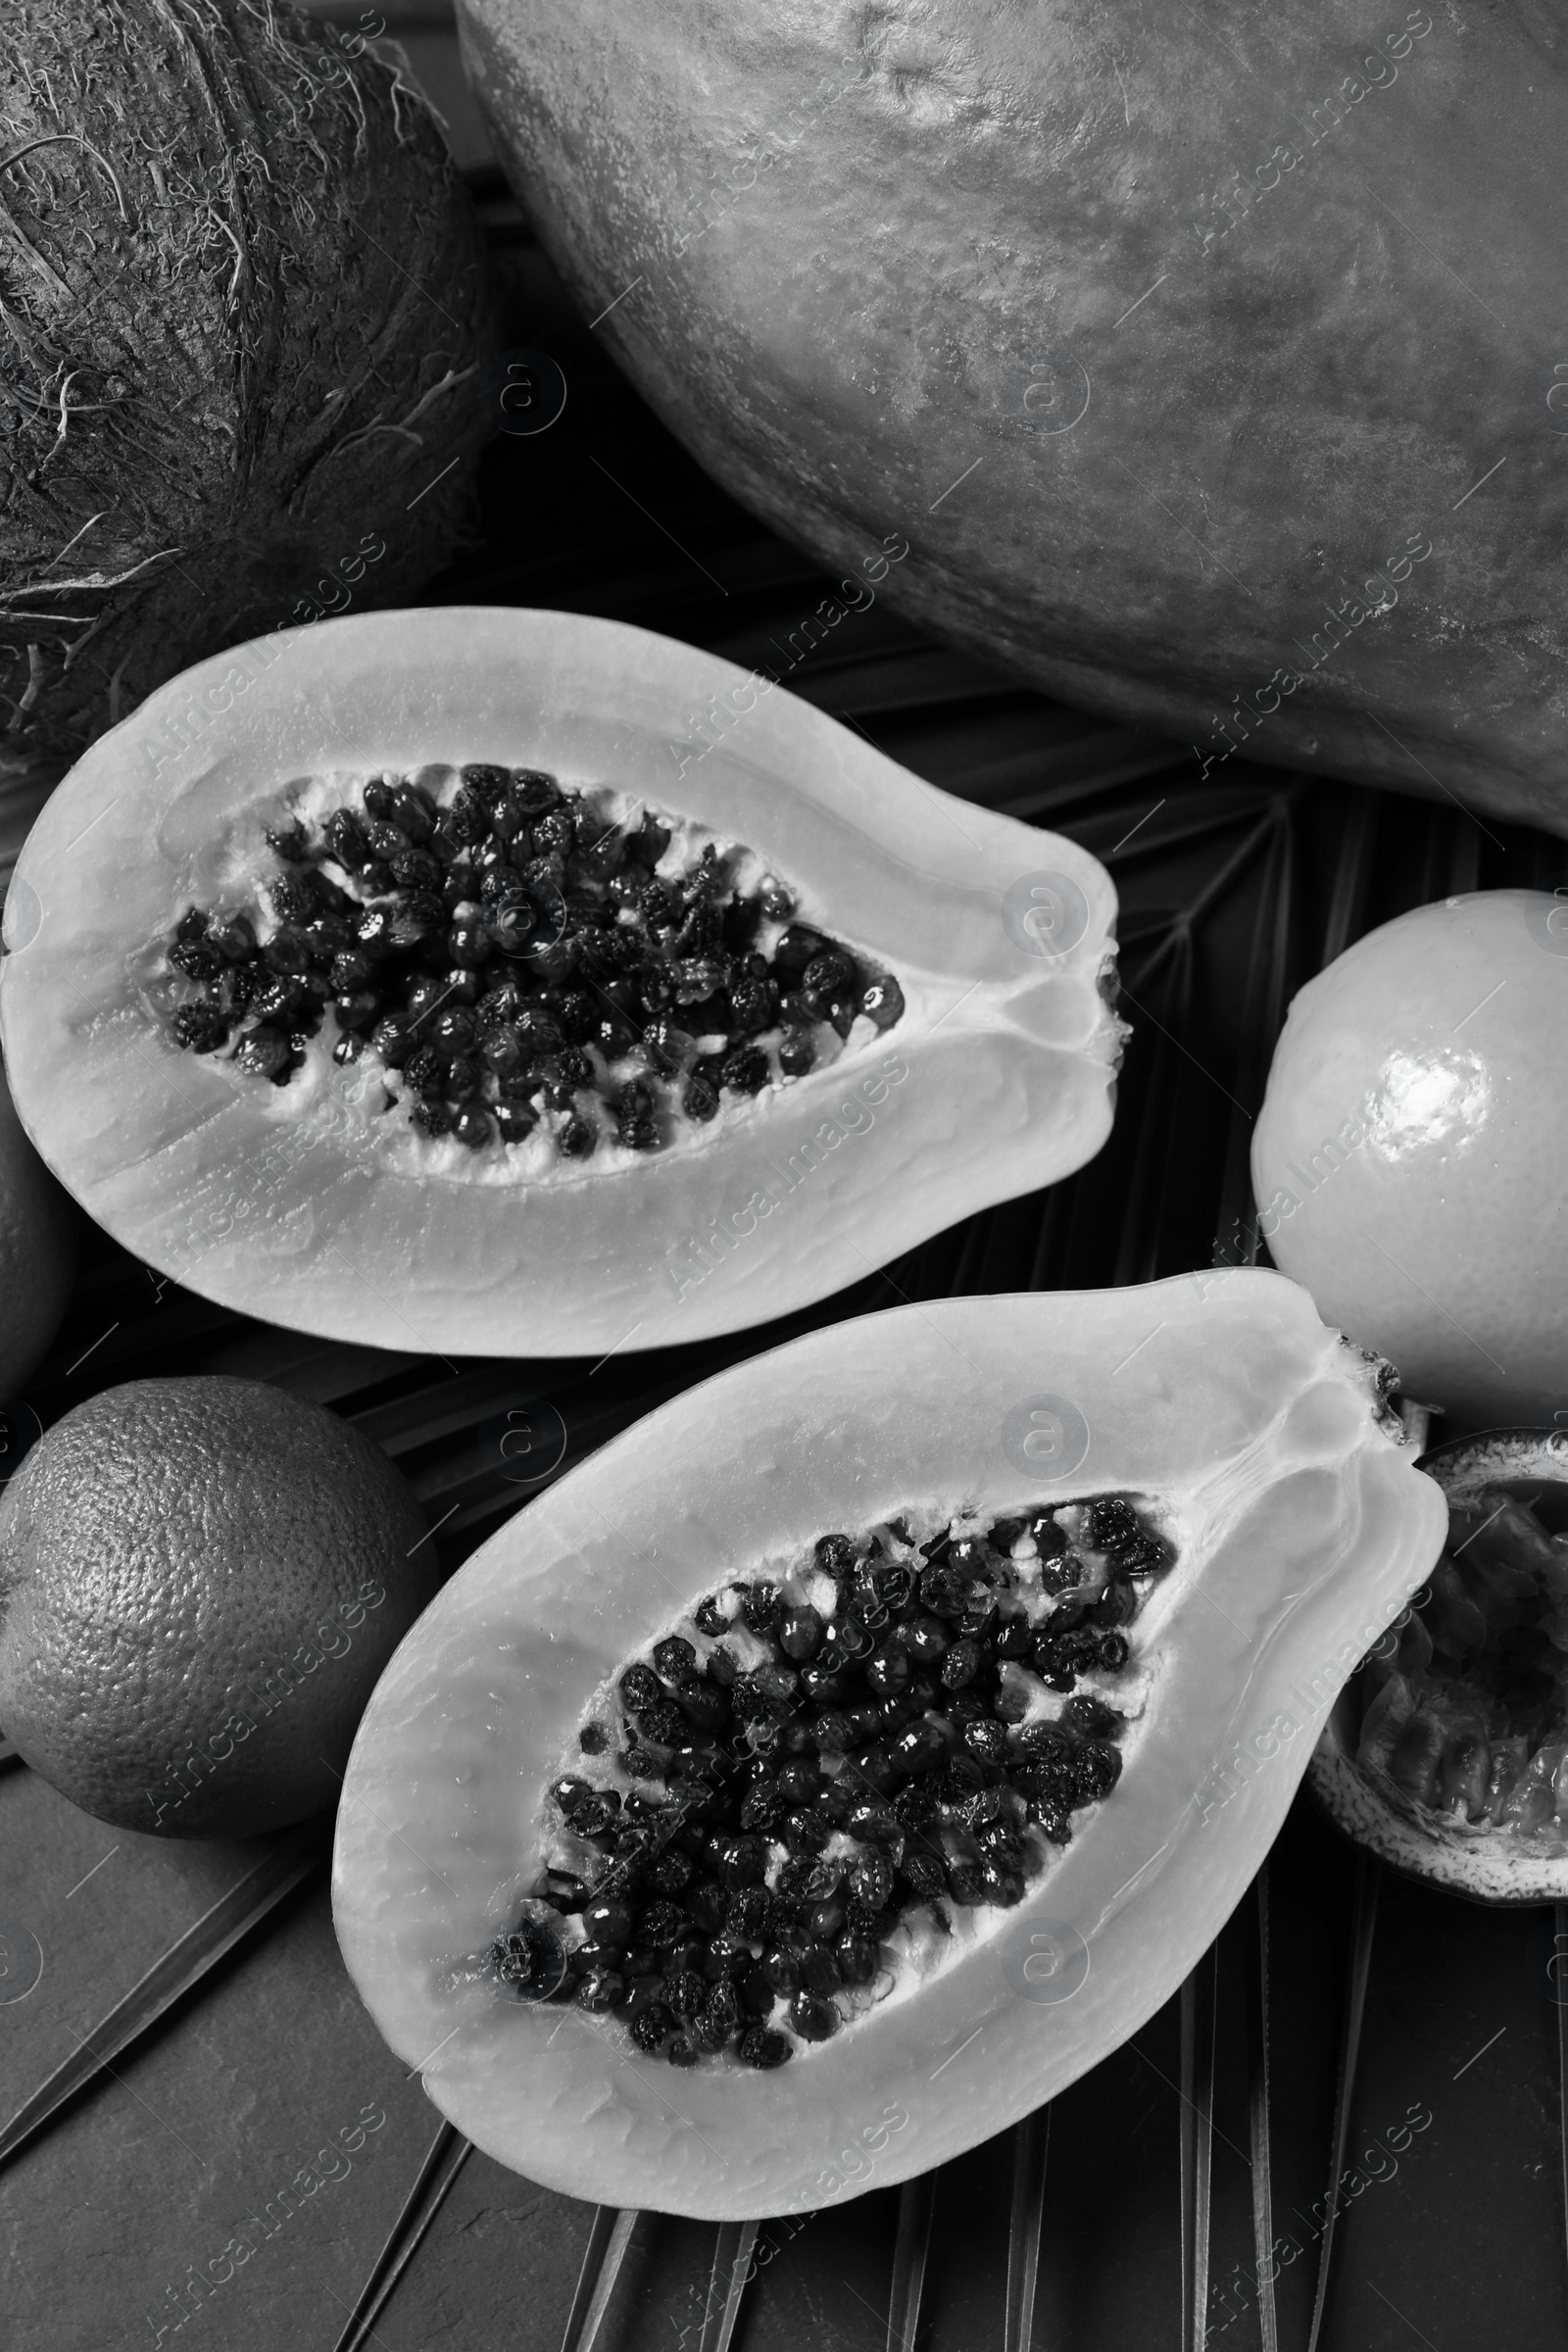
[243, 313]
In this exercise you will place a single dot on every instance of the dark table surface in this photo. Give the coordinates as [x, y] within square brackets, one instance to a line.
[1233, 893]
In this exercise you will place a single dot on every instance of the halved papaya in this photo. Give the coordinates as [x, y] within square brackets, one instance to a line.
[678, 1855]
[1447, 1756]
[263, 916]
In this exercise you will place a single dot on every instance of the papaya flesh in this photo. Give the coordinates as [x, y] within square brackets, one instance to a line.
[1197, 356]
[1254, 1438]
[304, 1202]
[1447, 1754]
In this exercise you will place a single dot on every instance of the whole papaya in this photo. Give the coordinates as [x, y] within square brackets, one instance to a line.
[1201, 363]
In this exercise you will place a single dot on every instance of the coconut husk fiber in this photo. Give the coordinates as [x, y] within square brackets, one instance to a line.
[244, 313]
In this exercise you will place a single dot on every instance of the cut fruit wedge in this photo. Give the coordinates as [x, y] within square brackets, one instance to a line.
[1293, 1524]
[315, 1203]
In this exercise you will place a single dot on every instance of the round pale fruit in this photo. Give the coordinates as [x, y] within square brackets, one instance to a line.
[1410, 1160]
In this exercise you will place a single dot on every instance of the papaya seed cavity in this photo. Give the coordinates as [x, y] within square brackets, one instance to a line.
[776, 1811]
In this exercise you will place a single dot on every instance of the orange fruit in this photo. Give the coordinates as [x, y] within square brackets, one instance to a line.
[1410, 1160]
[37, 1252]
[200, 1582]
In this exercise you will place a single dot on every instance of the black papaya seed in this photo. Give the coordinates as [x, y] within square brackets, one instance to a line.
[814, 2018]
[756, 1995]
[761, 1607]
[923, 1874]
[800, 1632]
[200, 1028]
[762, 2047]
[703, 1703]
[857, 1958]
[889, 1672]
[584, 1958]
[882, 1000]
[728, 1957]
[685, 1993]
[764, 1810]
[926, 1638]
[1112, 1522]
[749, 1913]
[1092, 1717]
[824, 1686]
[797, 948]
[393, 1041]
[608, 1921]
[918, 1748]
[782, 1970]
[263, 1050]
[799, 1782]
[745, 1862]
[877, 1770]
[708, 1906]
[961, 1664]
[914, 1806]
[836, 1554]
[824, 1919]
[821, 1970]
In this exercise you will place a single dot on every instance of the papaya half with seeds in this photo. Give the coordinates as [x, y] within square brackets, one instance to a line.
[1447, 1756]
[434, 979]
[895, 1717]
[1188, 419]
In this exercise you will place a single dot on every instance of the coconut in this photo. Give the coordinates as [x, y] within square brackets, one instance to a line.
[243, 313]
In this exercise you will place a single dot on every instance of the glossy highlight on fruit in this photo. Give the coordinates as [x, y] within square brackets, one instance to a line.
[1410, 1160]
[1447, 1756]
[1217, 1408]
[317, 1204]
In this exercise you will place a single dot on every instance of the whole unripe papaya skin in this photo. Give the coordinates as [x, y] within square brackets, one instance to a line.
[1204, 364]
